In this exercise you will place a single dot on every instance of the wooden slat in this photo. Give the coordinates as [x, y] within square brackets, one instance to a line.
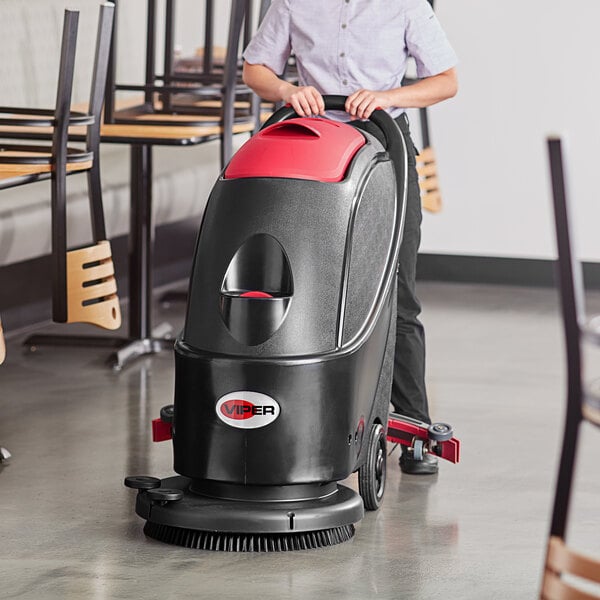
[12, 170]
[6, 174]
[105, 313]
[2, 345]
[432, 201]
[431, 198]
[429, 184]
[97, 291]
[426, 170]
[103, 270]
[561, 559]
[90, 254]
[426, 155]
[555, 588]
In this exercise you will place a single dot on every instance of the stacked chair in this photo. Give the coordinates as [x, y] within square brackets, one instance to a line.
[204, 91]
[84, 286]
[568, 574]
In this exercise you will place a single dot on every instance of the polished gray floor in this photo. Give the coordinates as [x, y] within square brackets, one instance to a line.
[475, 531]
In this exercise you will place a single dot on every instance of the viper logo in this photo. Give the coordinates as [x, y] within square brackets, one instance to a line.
[247, 409]
[242, 409]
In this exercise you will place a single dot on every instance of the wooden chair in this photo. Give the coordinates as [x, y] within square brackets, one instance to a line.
[208, 94]
[84, 286]
[564, 565]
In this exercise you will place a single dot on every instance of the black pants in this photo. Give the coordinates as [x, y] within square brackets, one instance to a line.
[409, 396]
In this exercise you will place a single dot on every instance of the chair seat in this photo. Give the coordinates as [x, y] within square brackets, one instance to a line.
[34, 167]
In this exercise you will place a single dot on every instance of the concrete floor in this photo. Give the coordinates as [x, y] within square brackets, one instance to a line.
[475, 531]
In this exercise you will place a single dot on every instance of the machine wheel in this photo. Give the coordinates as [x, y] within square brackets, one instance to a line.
[440, 432]
[418, 449]
[371, 476]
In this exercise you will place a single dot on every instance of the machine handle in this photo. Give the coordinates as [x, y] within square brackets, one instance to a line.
[394, 140]
[388, 126]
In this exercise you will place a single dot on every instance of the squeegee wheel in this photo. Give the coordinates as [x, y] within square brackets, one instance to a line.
[440, 432]
[418, 449]
[371, 475]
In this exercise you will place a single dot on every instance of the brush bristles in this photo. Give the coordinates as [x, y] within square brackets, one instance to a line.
[248, 542]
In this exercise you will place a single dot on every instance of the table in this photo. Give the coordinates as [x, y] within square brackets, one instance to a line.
[141, 139]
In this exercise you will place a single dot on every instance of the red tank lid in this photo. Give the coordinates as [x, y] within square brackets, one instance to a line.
[302, 148]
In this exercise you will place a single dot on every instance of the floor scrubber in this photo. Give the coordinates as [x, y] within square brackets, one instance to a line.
[284, 365]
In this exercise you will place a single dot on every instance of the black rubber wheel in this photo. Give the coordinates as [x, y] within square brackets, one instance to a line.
[440, 432]
[371, 476]
[142, 482]
[418, 449]
[167, 413]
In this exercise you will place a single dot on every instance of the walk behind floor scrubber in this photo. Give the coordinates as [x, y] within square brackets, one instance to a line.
[284, 366]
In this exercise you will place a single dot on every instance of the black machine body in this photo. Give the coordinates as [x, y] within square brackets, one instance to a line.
[284, 364]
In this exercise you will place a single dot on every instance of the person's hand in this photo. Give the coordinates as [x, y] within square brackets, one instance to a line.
[362, 103]
[305, 100]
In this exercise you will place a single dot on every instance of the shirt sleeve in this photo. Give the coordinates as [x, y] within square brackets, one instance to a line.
[271, 45]
[426, 41]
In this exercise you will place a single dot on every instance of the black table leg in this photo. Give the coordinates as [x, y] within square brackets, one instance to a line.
[141, 244]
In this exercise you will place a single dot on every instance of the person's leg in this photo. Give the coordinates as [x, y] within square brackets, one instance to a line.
[409, 396]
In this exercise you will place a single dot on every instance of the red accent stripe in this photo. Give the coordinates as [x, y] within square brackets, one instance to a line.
[255, 294]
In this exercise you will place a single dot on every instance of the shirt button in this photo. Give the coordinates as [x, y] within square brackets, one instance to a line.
[345, 82]
[343, 25]
[342, 54]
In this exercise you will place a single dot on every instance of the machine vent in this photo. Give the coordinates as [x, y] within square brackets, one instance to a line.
[257, 290]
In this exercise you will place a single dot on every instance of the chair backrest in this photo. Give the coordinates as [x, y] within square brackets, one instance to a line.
[169, 84]
[97, 93]
[561, 560]
[67, 305]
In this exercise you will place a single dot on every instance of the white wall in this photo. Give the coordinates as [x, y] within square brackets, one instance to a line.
[528, 68]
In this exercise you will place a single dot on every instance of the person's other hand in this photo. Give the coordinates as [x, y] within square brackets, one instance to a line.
[305, 100]
[362, 103]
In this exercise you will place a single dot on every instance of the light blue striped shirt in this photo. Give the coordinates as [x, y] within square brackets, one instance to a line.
[342, 46]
